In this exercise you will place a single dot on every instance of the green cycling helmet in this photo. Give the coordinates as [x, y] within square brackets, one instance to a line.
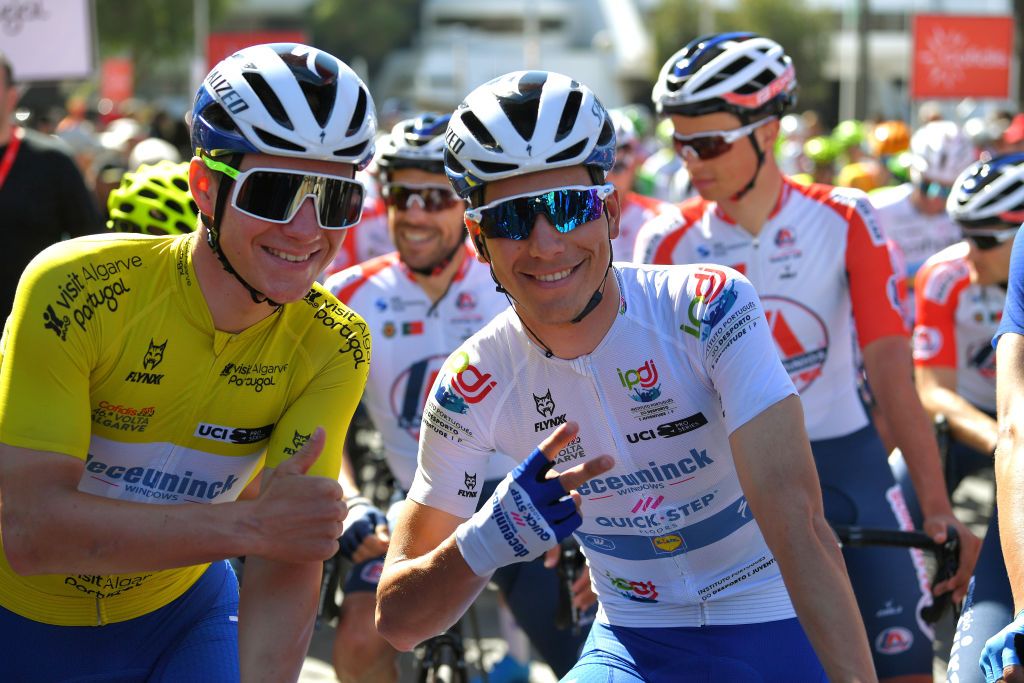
[154, 200]
[849, 133]
[821, 150]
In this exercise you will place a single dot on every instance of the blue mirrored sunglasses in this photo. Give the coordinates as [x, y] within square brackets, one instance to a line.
[566, 208]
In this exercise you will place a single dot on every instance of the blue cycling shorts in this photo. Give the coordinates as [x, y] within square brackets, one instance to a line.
[890, 584]
[769, 652]
[193, 638]
[988, 608]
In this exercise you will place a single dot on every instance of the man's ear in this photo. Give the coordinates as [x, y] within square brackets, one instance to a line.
[613, 210]
[479, 244]
[203, 185]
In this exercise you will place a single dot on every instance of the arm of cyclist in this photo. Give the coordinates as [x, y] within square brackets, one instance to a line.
[365, 534]
[438, 563]
[50, 527]
[937, 388]
[776, 470]
[276, 612]
[1000, 655]
[887, 361]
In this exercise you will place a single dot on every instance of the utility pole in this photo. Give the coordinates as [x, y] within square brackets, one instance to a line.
[861, 93]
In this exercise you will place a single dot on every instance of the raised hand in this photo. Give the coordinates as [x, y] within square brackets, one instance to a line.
[298, 517]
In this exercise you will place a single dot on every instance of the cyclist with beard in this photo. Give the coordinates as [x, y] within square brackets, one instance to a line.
[143, 379]
[421, 302]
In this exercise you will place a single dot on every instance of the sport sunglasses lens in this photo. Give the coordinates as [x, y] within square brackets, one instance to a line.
[428, 198]
[277, 196]
[704, 146]
[566, 209]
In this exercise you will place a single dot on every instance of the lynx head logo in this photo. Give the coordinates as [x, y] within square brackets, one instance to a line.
[470, 480]
[154, 355]
[545, 404]
[300, 439]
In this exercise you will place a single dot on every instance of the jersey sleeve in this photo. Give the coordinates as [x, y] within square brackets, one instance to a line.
[938, 289]
[657, 238]
[876, 293]
[329, 401]
[47, 353]
[455, 437]
[1013, 309]
[724, 317]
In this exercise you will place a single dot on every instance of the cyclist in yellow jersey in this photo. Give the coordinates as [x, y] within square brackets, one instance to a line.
[142, 378]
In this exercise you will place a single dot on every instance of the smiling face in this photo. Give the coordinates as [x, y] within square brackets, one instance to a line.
[281, 260]
[424, 238]
[550, 275]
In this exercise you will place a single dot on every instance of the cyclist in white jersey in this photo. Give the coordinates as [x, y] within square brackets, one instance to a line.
[421, 302]
[913, 215]
[670, 442]
[821, 265]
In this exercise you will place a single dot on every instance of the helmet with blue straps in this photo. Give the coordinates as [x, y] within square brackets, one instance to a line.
[414, 143]
[742, 73]
[285, 99]
[523, 122]
[989, 191]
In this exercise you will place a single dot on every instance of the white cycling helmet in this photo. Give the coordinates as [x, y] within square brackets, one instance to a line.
[989, 192]
[414, 143]
[741, 73]
[940, 151]
[285, 99]
[625, 131]
[523, 122]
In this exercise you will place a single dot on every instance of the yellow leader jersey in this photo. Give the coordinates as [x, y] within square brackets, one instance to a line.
[111, 356]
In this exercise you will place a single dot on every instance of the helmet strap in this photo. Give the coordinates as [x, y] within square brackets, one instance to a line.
[757, 171]
[213, 235]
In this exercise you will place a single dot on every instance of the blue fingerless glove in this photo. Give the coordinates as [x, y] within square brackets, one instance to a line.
[362, 521]
[527, 515]
[1001, 650]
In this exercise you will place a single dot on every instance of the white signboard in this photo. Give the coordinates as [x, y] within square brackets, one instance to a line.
[48, 40]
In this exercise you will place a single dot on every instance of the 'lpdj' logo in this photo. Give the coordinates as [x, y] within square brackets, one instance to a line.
[641, 383]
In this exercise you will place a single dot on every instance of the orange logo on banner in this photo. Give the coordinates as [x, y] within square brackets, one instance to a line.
[961, 56]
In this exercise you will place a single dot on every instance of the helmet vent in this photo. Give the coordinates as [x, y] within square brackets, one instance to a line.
[180, 184]
[268, 98]
[321, 99]
[569, 114]
[607, 131]
[218, 118]
[480, 132]
[274, 141]
[494, 167]
[147, 193]
[351, 152]
[358, 114]
[568, 153]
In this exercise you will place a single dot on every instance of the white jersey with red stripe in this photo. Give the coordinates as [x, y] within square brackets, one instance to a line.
[635, 211]
[413, 339]
[822, 269]
[956, 320]
[667, 532]
[918, 235]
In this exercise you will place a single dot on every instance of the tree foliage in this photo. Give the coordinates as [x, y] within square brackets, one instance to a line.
[149, 31]
[802, 31]
[370, 30]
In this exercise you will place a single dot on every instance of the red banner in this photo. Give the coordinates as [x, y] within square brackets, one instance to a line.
[117, 79]
[221, 45]
[961, 56]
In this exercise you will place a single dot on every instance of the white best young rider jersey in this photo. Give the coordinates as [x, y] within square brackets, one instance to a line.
[918, 236]
[667, 532]
[822, 269]
[414, 338]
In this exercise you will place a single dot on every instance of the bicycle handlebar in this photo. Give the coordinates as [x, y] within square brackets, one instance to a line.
[947, 556]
